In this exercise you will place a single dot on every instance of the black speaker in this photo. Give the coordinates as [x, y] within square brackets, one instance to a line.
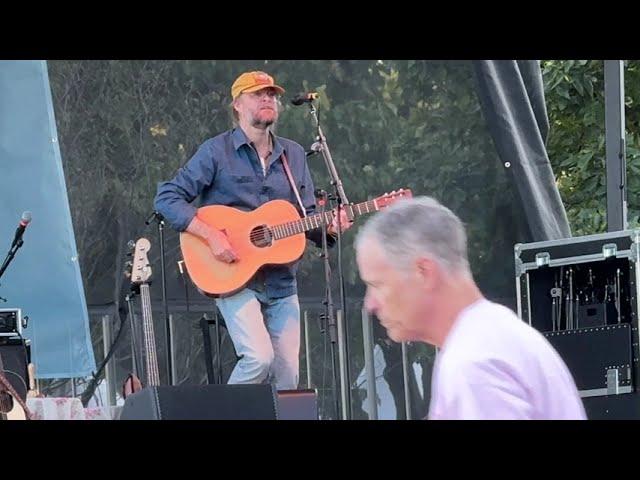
[202, 402]
[15, 359]
[297, 405]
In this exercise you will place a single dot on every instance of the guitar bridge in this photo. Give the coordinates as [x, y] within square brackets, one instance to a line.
[261, 236]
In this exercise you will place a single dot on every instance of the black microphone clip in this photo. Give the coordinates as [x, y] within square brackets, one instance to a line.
[304, 98]
[315, 148]
[154, 215]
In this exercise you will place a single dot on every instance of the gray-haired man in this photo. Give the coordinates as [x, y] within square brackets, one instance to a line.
[413, 259]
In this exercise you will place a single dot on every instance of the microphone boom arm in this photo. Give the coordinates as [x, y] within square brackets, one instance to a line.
[324, 149]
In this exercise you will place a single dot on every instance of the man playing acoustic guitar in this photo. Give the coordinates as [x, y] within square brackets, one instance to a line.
[245, 168]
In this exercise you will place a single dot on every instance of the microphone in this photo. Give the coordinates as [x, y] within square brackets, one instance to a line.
[24, 221]
[304, 98]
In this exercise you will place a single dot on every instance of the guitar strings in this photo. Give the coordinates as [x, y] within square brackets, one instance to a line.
[286, 229]
[152, 363]
[291, 228]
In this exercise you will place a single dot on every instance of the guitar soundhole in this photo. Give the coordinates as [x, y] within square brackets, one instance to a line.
[261, 236]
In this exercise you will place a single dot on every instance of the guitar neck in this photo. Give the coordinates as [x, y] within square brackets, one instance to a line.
[312, 222]
[153, 375]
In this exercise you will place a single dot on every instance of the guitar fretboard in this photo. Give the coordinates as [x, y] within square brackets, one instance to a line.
[311, 222]
[153, 375]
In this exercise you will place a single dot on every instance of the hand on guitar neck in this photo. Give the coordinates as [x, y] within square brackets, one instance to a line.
[217, 240]
[345, 223]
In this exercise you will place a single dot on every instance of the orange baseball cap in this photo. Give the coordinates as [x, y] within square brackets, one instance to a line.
[252, 82]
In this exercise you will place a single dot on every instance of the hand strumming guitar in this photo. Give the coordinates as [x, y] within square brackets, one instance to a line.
[217, 240]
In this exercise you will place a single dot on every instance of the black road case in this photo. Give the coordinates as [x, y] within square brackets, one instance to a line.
[582, 294]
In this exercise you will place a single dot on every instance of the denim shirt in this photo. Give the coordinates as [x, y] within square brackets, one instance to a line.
[226, 170]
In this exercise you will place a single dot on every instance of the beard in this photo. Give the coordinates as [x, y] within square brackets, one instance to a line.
[261, 120]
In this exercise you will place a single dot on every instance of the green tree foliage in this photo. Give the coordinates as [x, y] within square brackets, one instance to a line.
[574, 92]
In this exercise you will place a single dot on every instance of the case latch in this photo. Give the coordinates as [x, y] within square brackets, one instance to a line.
[612, 381]
[609, 250]
[542, 259]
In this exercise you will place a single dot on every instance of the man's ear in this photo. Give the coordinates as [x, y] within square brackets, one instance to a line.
[428, 272]
[234, 104]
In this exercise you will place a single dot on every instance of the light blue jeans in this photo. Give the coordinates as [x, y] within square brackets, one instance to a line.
[266, 335]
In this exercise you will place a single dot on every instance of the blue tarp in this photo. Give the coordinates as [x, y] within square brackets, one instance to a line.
[44, 279]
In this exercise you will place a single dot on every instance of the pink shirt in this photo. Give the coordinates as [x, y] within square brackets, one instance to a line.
[495, 366]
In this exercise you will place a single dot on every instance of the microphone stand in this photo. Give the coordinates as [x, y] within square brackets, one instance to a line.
[343, 202]
[160, 221]
[329, 316]
[10, 255]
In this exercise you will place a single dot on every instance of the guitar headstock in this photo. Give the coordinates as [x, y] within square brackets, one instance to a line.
[139, 270]
[389, 198]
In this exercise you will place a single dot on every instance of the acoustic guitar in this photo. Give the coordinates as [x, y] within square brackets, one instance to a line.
[272, 234]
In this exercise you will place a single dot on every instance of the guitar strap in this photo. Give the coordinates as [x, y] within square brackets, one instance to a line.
[285, 164]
